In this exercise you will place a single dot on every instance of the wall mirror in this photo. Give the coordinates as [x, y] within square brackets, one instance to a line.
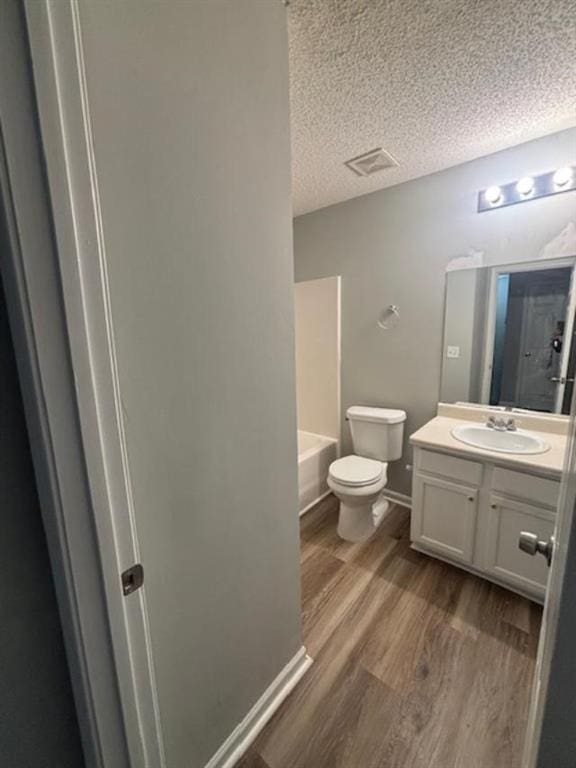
[509, 336]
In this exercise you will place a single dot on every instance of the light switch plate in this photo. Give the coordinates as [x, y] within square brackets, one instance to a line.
[452, 352]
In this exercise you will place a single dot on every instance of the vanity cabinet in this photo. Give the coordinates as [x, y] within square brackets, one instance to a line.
[471, 513]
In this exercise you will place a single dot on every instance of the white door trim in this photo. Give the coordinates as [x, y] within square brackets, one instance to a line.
[55, 486]
[33, 294]
[565, 529]
[58, 66]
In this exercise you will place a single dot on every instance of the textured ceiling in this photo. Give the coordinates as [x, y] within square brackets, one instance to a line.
[433, 82]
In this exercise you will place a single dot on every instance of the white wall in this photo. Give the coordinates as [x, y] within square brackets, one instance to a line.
[393, 246]
[317, 321]
[189, 110]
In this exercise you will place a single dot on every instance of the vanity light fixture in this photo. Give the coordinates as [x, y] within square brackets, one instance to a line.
[563, 176]
[528, 188]
[525, 186]
[493, 195]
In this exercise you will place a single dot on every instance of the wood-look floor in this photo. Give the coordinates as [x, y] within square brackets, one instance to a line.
[417, 664]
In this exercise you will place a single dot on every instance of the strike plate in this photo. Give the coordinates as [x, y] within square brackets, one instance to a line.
[132, 579]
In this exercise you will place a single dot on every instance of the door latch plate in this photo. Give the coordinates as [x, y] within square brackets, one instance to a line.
[132, 579]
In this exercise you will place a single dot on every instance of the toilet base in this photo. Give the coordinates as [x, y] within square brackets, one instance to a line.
[358, 523]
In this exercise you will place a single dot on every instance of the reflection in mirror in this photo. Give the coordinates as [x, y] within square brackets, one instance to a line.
[509, 336]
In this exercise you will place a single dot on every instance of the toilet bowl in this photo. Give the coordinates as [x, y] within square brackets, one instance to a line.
[357, 482]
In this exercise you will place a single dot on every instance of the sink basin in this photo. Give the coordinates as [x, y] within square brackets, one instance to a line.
[489, 439]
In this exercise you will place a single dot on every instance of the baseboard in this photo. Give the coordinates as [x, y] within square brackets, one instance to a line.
[313, 503]
[398, 498]
[245, 733]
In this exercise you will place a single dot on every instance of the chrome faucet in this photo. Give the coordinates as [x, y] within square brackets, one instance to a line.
[501, 425]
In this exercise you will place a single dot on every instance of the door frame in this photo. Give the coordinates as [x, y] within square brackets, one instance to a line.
[33, 295]
[490, 326]
[66, 186]
[550, 733]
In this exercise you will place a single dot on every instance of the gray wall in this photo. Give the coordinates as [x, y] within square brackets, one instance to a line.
[460, 311]
[38, 725]
[465, 307]
[392, 247]
[189, 105]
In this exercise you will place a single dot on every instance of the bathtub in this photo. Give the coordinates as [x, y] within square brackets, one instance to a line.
[315, 454]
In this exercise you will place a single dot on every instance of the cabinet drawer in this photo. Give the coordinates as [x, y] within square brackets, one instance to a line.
[538, 490]
[450, 466]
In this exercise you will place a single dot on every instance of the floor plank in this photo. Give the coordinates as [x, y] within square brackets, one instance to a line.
[252, 760]
[417, 664]
[424, 732]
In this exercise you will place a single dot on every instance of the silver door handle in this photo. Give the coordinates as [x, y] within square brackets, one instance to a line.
[530, 543]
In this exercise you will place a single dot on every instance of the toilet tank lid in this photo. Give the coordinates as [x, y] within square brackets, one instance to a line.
[384, 415]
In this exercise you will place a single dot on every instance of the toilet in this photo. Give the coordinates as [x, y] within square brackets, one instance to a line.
[358, 480]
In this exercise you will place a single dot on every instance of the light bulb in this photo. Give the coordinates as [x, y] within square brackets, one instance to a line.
[563, 176]
[493, 195]
[525, 186]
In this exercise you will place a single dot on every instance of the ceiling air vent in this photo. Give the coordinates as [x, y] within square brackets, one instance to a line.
[371, 162]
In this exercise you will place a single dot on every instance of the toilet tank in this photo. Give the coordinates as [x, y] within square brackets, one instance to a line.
[377, 432]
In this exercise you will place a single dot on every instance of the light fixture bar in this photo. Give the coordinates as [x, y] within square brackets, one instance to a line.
[527, 188]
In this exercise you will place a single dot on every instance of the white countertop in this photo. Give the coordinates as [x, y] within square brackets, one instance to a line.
[436, 434]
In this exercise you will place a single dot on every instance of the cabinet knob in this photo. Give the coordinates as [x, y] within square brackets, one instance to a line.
[470, 498]
[493, 506]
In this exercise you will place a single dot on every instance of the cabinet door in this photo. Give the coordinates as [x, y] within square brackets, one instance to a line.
[444, 517]
[506, 519]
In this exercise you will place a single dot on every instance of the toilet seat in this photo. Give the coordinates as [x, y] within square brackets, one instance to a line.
[356, 471]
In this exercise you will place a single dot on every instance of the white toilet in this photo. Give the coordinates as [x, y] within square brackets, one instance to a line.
[358, 480]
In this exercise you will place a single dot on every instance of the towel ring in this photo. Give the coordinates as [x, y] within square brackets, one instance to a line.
[389, 317]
